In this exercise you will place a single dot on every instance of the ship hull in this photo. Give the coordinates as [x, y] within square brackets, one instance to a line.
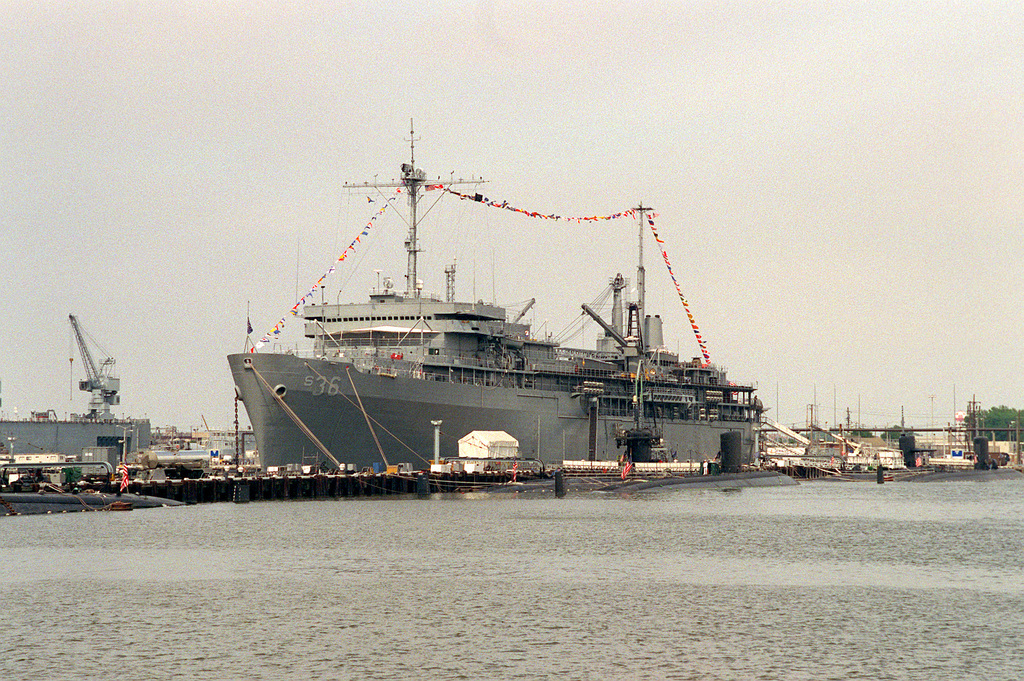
[334, 402]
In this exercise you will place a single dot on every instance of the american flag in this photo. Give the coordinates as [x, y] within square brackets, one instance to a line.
[123, 468]
[515, 467]
[627, 470]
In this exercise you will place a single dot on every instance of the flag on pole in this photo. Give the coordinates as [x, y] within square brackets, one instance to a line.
[515, 467]
[627, 470]
[248, 326]
[123, 468]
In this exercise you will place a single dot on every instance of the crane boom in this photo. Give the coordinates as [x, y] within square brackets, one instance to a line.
[524, 311]
[90, 367]
[606, 326]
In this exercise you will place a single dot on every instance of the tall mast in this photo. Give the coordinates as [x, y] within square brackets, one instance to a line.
[449, 277]
[641, 211]
[411, 182]
[412, 179]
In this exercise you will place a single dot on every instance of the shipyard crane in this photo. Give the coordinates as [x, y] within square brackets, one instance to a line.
[99, 381]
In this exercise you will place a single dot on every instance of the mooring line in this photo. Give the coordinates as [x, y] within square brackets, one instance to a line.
[295, 418]
[379, 424]
[366, 416]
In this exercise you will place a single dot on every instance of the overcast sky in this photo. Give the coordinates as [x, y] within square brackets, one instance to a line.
[839, 185]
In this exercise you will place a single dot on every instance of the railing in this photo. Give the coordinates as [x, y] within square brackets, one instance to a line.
[585, 467]
[448, 367]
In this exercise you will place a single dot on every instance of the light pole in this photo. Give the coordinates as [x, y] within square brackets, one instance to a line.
[124, 444]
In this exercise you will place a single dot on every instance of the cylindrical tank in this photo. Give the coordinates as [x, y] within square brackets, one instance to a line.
[188, 458]
[981, 452]
[653, 335]
[732, 451]
[908, 445]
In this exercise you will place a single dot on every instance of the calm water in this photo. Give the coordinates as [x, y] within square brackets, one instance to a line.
[819, 581]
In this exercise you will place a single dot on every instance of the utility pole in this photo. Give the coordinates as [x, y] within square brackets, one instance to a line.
[973, 409]
[1017, 436]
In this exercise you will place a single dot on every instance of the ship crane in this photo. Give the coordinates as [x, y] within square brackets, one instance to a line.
[99, 381]
[523, 312]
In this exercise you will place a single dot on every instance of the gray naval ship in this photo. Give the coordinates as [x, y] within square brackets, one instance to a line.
[380, 374]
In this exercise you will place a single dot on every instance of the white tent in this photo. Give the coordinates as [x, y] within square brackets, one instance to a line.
[488, 444]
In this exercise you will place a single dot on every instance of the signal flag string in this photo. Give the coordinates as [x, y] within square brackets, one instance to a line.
[686, 305]
[480, 198]
[504, 205]
[275, 332]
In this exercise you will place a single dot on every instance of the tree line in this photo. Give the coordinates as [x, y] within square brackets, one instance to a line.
[1000, 422]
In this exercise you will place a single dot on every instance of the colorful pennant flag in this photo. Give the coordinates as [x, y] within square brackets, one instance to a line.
[275, 332]
[679, 290]
[480, 198]
[504, 205]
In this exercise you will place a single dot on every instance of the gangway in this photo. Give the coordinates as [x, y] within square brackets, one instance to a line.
[785, 430]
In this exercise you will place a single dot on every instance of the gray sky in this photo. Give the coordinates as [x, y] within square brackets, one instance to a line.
[839, 185]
